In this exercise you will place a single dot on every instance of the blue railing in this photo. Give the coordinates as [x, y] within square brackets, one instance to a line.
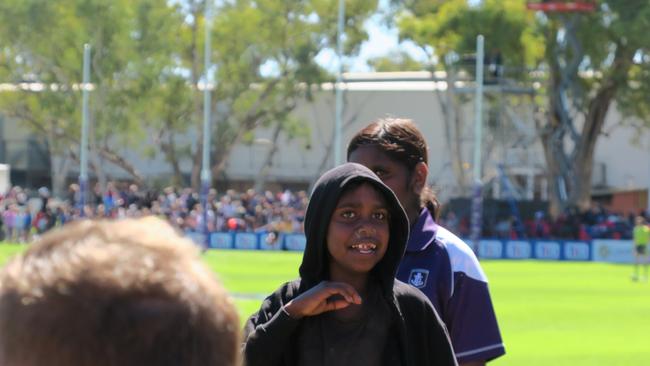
[599, 250]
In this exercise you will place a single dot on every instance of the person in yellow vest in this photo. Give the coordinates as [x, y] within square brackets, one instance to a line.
[641, 237]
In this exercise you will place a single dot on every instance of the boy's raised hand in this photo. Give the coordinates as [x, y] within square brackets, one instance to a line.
[326, 296]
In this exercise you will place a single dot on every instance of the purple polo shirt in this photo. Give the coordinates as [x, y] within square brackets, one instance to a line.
[445, 269]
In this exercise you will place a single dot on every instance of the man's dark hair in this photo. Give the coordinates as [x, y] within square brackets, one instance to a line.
[401, 140]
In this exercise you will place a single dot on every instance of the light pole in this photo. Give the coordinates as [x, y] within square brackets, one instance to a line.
[205, 167]
[648, 194]
[477, 194]
[83, 153]
[339, 86]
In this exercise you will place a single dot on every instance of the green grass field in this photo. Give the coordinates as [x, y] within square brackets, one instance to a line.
[550, 313]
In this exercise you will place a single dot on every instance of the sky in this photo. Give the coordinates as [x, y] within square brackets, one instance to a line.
[382, 40]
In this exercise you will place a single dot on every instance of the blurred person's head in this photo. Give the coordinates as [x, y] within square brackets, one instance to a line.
[133, 211]
[101, 210]
[128, 292]
[155, 207]
[269, 195]
[44, 192]
[640, 220]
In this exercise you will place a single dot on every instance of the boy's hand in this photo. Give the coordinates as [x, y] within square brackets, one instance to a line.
[326, 296]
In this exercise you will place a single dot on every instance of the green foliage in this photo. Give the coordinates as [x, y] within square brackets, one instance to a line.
[584, 61]
[449, 28]
[147, 57]
[628, 29]
[130, 44]
[265, 52]
[396, 61]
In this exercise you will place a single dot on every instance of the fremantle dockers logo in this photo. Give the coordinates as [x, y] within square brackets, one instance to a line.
[418, 277]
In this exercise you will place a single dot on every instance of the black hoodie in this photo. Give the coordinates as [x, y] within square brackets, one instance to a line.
[418, 333]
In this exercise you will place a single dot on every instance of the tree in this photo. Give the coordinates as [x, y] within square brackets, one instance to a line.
[43, 44]
[446, 31]
[589, 61]
[601, 59]
[395, 61]
[264, 54]
[147, 67]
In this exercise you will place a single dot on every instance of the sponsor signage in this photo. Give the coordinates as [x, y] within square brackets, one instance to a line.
[576, 251]
[221, 241]
[490, 249]
[197, 238]
[518, 249]
[547, 250]
[268, 243]
[246, 241]
[599, 250]
[614, 251]
[295, 242]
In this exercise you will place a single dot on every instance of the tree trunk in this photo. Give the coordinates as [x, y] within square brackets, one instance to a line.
[264, 172]
[553, 175]
[93, 154]
[598, 107]
[253, 119]
[60, 171]
[168, 147]
[329, 146]
[569, 168]
[453, 129]
[60, 166]
[177, 177]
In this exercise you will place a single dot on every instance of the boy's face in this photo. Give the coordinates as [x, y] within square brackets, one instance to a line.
[357, 235]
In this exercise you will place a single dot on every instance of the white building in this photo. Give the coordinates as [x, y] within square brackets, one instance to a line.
[622, 155]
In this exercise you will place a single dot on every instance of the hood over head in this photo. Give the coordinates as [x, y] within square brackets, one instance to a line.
[323, 201]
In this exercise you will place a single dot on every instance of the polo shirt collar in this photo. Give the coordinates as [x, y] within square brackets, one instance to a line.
[423, 232]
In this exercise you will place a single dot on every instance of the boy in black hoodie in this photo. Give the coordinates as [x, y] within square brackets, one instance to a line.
[346, 308]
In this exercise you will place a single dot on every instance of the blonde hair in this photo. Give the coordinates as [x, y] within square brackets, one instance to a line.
[129, 292]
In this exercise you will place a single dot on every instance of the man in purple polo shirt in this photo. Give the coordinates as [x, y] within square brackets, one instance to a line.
[447, 271]
[436, 261]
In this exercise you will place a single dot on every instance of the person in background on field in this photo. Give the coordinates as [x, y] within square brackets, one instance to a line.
[347, 309]
[436, 261]
[120, 293]
[23, 224]
[9, 222]
[641, 237]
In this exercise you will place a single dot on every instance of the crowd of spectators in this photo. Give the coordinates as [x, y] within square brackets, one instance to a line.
[24, 213]
[596, 223]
